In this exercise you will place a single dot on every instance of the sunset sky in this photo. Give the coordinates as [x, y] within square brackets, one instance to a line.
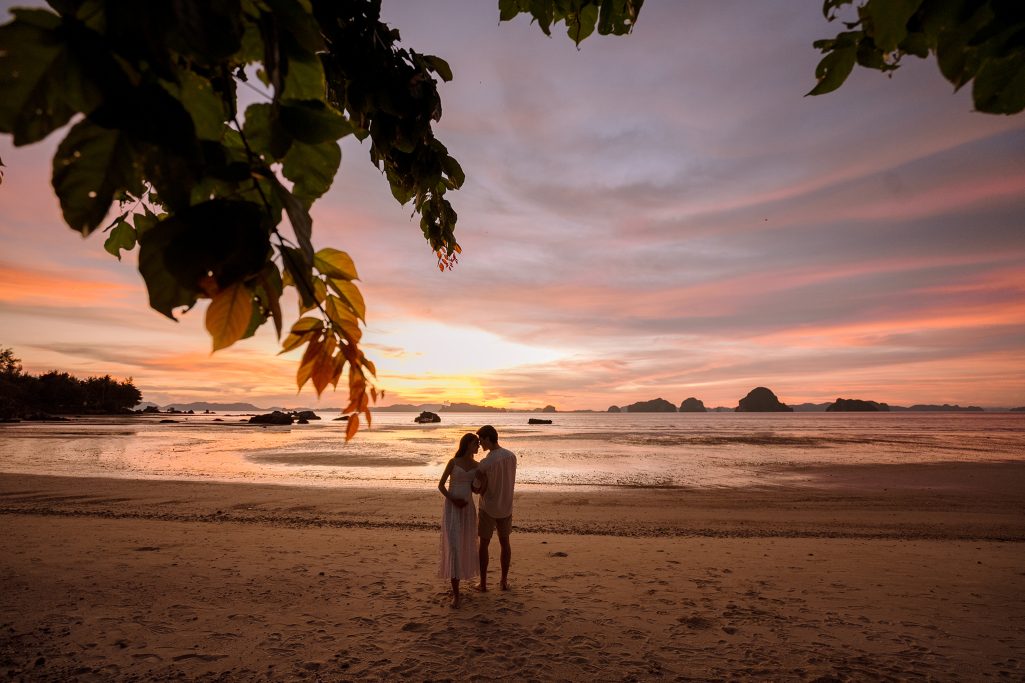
[657, 215]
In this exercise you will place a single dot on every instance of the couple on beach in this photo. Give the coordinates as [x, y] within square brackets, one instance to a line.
[465, 533]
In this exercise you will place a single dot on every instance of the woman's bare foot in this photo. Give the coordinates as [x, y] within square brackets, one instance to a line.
[481, 588]
[504, 585]
[455, 602]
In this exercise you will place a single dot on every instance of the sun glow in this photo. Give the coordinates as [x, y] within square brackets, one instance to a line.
[434, 361]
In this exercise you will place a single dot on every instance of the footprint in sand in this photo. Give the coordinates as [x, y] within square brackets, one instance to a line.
[194, 655]
[695, 623]
[585, 641]
[414, 626]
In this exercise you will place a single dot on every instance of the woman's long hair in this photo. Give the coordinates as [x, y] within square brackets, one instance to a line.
[468, 440]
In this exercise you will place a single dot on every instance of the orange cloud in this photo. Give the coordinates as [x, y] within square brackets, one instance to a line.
[49, 288]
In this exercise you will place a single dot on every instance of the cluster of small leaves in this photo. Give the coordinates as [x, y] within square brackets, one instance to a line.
[977, 41]
[610, 17]
[204, 189]
[391, 97]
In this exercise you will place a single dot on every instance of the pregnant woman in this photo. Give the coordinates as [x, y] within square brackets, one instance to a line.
[459, 516]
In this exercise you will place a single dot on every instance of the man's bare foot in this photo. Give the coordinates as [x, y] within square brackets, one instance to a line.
[504, 585]
[481, 588]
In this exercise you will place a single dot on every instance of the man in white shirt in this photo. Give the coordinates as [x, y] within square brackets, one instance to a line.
[499, 466]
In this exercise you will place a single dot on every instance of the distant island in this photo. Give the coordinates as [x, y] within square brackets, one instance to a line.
[762, 400]
[853, 405]
[759, 402]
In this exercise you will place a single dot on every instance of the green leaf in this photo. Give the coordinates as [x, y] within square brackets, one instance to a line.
[439, 66]
[256, 320]
[204, 105]
[833, 70]
[91, 165]
[312, 168]
[454, 172]
[144, 221]
[299, 217]
[889, 21]
[165, 291]
[269, 288]
[305, 79]
[580, 24]
[916, 44]
[999, 86]
[508, 9]
[618, 16]
[299, 271]
[224, 239]
[335, 264]
[264, 132]
[122, 236]
[313, 121]
[43, 86]
[209, 31]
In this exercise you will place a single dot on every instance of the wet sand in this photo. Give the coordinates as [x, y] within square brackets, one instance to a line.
[866, 572]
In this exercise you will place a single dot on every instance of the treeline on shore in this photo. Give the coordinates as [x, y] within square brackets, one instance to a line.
[24, 396]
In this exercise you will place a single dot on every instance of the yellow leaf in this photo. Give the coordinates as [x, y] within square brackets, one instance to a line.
[306, 366]
[323, 371]
[334, 263]
[294, 341]
[343, 318]
[350, 295]
[302, 331]
[369, 365]
[228, 316]
[352, 427]
[339, 366]
[306, 324]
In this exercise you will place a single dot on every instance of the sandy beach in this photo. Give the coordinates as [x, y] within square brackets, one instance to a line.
[845, 573]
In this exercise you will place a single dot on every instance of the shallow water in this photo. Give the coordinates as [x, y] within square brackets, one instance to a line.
[577, 450]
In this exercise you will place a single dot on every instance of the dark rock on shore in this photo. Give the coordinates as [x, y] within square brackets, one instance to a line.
[854, 405]
[762, 400]
[275, 418]
[655, 405]
[693, 405]
[427, 417]
[305, 415]
[538, 421]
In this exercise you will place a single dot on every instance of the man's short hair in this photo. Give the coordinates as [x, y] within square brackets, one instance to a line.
[488, 432]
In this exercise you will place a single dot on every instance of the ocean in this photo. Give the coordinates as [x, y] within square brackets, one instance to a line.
[579, 450]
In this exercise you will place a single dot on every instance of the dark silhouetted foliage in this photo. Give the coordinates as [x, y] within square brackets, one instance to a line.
[58, 393]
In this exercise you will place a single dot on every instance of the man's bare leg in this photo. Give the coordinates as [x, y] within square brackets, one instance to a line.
[506, 558]
[482, 556]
